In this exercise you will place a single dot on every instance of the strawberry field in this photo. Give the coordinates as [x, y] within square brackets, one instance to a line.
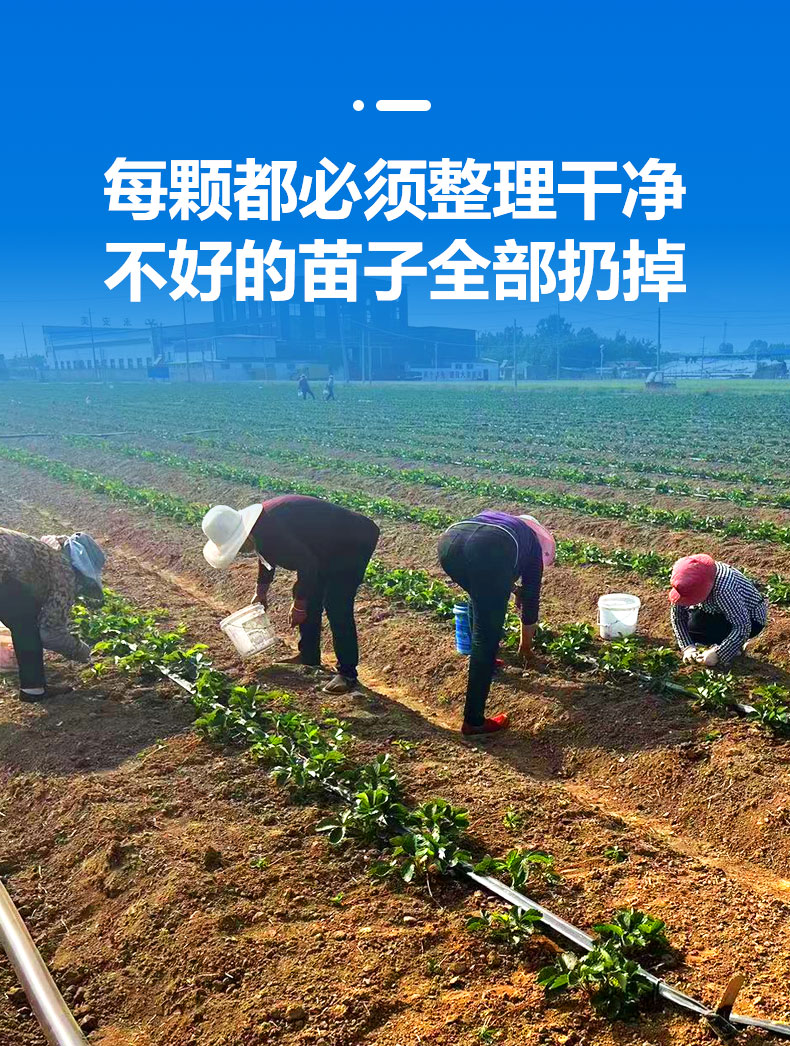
[212, 852]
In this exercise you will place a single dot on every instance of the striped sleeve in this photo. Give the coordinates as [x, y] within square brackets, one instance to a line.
[679, 617]
[732, 604]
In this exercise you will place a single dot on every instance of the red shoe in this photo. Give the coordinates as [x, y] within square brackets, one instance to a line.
[488, 726]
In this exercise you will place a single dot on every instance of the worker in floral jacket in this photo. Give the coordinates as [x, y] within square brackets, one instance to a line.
[38, 586]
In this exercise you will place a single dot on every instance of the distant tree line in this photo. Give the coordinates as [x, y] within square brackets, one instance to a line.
[581, 349]
[577, 348]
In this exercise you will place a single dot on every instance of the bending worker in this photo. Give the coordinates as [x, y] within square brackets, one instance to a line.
[328, 547]
[714, 606]
[38, 585]
[486, 556]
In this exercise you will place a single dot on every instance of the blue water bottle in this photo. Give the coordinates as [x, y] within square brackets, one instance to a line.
[463, 633]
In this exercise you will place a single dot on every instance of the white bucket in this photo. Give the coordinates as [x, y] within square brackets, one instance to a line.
[618, 614]
[250, 630]
[7, 655]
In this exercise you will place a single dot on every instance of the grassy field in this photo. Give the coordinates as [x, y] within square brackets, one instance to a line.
[183, 897]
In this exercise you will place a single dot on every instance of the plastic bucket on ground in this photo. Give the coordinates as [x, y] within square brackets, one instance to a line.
[463, 631]
[618, 613]
[250, 630]
[7, 655]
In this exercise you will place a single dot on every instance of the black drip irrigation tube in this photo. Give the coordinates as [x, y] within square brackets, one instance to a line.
[89, 435]
[652, 682]
[721, 1021]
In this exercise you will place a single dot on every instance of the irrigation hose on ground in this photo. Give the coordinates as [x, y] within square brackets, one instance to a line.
[722, 1025]
[56, 1020]
[61, 1029]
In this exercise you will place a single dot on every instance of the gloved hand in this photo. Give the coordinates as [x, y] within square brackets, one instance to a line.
[690, 654]
[298, 613]
[710, 658]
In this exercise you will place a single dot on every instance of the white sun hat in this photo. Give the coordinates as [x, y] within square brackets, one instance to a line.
[227, 530]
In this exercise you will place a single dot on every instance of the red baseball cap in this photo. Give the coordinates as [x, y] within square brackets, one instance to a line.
[692, 580]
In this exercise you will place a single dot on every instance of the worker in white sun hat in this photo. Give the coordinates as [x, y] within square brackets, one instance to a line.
[327, 546]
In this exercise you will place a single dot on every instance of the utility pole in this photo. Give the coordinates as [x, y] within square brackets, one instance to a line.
[601, 348]
[702, 359]
[658, 343]
[515, 359]
[343, 345]
[724, 335]
[93, 346]
[24, 339]
[186, 337]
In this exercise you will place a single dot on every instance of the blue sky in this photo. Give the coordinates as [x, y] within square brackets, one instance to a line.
[703, 84]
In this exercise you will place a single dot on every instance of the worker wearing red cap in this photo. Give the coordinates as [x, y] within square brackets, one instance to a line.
[714, 607]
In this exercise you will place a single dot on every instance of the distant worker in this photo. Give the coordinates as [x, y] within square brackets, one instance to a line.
[327, 546]
[487, 556]
[304, 387]
[39, 582]
[329, 388]
[714, 607]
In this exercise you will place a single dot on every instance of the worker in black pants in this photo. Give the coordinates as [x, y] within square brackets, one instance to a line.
[335, 593]
[486, 556]
[38, 587]
[19, 613]
[327, 546]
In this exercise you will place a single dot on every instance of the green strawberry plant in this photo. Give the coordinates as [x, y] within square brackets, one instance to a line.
[635, 933]
[772, 708]
[512, 928]
[615, 985]
[518, 865]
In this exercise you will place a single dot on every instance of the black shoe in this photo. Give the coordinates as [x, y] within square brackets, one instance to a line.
[49, 693]
[340, 685]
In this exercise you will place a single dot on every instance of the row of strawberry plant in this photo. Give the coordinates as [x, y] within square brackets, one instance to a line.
[648, 565]
[577, 476]
[419, 590]
[420, 843]
[759, 530]
[569, 420]
[412, 424]
[574, 644]
[394, 436]
[434, 452]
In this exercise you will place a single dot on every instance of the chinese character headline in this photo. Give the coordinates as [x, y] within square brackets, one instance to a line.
[521, 269]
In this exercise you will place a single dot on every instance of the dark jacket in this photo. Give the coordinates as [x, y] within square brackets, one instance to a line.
[312, 537]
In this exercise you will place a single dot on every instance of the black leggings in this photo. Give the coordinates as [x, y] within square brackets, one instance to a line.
[19, 613]
[482, 560]
[336, 593]
[711, 629]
